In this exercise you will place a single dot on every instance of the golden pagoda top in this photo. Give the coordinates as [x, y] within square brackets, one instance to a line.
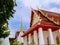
[21, 26]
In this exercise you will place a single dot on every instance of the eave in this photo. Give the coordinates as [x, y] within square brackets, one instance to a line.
[38, 25]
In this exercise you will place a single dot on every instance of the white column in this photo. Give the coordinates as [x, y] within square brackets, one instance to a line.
[51, 39]
[29, 39]
[35, 37]
[59, 31]
[59, 36]
[25, 40]
[41, 37]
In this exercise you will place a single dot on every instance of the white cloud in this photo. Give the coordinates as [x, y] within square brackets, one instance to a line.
[46, 2]
[57, 10]
[47, 5]
[31, 3]
[41, 3]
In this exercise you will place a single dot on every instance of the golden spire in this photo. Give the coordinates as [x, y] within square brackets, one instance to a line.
[21, 25]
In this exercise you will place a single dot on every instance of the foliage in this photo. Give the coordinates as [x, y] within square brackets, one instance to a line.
[5, 31]
[12, 42]
[15, 43]
[6, 12]
[32, 43]
[21, 43]
[57, 40]
[11, 39]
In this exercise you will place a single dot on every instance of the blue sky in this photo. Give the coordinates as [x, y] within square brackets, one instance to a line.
[23, 10]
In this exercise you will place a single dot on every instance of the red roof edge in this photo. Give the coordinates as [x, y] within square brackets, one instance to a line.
[45, 27]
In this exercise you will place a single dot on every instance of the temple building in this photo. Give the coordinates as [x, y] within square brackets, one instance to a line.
[44, 28]
[18, 35]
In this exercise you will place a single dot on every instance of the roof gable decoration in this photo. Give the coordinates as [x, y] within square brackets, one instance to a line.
[51, 19]
[36, 18]
[51, 16]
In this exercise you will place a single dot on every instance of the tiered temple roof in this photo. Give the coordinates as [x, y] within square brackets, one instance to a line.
[48, 18]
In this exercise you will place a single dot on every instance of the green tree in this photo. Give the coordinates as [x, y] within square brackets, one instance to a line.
[6, 12]
[32, 43]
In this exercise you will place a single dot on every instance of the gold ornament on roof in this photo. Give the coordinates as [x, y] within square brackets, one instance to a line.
[46, 15]
[57, 22]
[51, 19]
